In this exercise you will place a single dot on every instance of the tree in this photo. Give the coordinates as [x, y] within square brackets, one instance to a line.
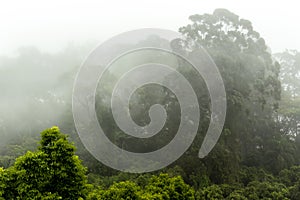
[51, 172]
[289, 112]
[161, 187]
[125, 190]
[169, 187]
[266, 190]
[251, 81]
[288, 120]
[213, 192]
[290, 72]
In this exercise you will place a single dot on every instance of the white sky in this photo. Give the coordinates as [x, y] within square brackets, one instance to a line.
[51, 25]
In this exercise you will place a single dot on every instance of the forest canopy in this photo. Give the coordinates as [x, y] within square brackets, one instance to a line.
[256, 157]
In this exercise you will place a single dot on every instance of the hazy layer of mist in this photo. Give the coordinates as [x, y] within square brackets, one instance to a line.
[36, 88]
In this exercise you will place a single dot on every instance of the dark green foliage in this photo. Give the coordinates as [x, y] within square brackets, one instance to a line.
[54, 171]
[169, 188]
[253, 88]
[123, 190]
[161, 187]
[295, 191]
[257, 156]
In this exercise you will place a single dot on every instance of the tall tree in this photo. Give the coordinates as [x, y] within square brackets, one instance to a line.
[288, 119]
[251, 81]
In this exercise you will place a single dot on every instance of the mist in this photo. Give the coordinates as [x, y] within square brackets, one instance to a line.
[253, 48]
[51, 26]
[36, 88]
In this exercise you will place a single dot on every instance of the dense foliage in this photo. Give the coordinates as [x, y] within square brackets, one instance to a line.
[54, 172]
[257, 156]
[51, 172]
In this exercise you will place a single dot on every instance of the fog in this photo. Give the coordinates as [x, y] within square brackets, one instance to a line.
[51, 26]
[237, 63]
[44, 43]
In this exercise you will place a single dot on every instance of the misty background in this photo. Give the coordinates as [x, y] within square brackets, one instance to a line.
[52, 25]
[44, 43]
[254, 45]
